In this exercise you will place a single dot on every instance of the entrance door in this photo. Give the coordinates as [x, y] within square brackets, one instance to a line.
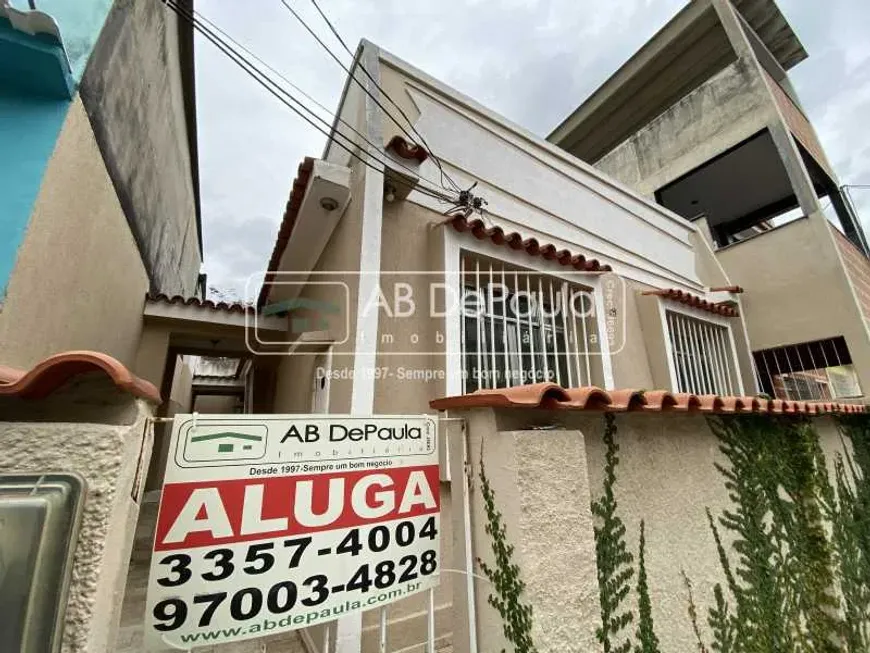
[320, 382]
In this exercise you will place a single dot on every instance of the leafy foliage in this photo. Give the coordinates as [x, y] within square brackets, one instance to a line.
[780, 586]
[846, 505]
[505, 576]
[615, 569]
[647, 642]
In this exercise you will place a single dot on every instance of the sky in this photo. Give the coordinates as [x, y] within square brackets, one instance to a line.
[533, 61]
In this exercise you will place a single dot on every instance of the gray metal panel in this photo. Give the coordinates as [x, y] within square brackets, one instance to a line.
[39, 522]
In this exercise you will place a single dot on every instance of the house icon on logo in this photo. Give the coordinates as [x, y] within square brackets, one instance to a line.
[225, 442]
[230, 441]
[304, 314]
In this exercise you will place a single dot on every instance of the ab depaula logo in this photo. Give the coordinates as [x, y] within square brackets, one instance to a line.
[224, 442]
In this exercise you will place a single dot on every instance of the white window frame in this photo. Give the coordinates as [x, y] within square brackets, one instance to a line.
[704, 316]
[455, 246]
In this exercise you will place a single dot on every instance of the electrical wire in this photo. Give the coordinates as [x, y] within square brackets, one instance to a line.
[252, 70]
[386, 95]
[370, 94]
[267, 83]
[330, 123]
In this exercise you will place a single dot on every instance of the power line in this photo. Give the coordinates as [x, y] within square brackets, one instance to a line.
[386, 95]
[203, 19]
[267, 83]
[369, 93]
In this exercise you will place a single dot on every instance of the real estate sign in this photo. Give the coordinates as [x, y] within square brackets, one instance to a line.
[272, 523]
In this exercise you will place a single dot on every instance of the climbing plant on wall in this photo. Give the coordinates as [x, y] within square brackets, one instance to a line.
[846, 505]
[614, 562]
[779, 570]
[504, 574]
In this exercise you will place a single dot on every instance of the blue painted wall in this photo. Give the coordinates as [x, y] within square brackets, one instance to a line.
[29, 127]
[80, 22]
[35, 90]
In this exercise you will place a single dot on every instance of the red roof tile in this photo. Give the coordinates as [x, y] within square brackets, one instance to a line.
[689, 299]
[530, 245]
[406, 150]
[51, 373]
[300, 185]
[235, 307]
[552, 396]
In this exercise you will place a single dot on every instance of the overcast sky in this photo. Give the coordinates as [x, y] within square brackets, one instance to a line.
[533, 61]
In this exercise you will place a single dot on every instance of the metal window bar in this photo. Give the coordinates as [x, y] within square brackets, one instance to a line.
[544, 349]
[679, 360]
[582, 318]
[529, 309]
[462, 330]
[503, 354]
[555, 335]
[801, 382]
[703, 358]
[564, 299]
[478, 313]
[491, 319]
[700, 354]
[730, 363]
[504, 330]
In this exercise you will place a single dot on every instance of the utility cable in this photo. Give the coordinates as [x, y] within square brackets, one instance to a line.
[387, 95]
[267, 83]
[367, 91]
[329, 124]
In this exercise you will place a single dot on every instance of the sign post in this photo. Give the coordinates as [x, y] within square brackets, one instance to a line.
[273, 523]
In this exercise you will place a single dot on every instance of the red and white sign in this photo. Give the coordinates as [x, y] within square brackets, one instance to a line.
[272, 523]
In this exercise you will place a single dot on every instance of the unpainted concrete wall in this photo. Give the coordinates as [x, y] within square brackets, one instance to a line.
[132, 91]
[78, 282]
[728, 108]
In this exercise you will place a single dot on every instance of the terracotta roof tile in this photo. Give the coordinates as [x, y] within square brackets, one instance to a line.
[689, 299]
[552, 396]
[531, 246]
[235, 307]
[291, 212]
[51, 373]
[406, 150]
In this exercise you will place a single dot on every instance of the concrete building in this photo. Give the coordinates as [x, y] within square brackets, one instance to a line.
[704, 121]
[100, 198]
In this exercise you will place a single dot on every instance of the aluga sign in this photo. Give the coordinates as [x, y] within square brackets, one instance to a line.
[272, 523]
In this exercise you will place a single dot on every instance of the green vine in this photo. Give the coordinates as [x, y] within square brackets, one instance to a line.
[846, 505]
[647, 642]
[614, 560]
[505, 576]
[781, 584]
[692, 611]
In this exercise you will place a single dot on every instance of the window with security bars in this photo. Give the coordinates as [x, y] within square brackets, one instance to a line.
[702, 356]
[820, 370]
[521, 327]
